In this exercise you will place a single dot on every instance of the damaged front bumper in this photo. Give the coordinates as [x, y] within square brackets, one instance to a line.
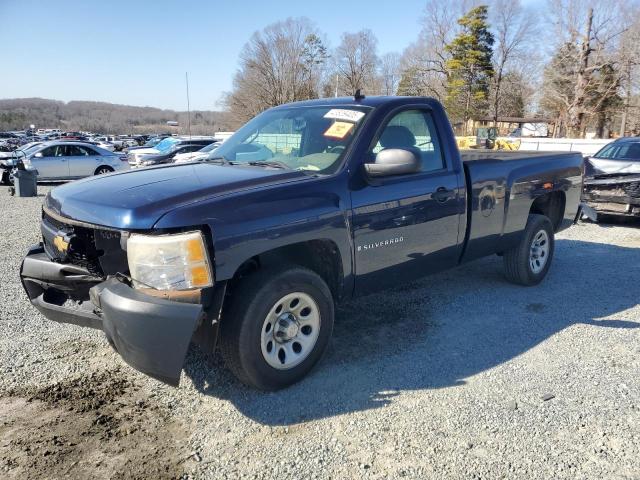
[613, 195]
[151, 334]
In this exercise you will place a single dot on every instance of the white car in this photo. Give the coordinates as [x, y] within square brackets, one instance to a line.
[196, 156]
[102, 143]
[137, 155]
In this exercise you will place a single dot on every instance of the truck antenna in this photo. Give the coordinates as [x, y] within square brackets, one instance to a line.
[358, 95]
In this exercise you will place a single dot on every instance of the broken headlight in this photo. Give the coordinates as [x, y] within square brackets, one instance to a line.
[169, 262]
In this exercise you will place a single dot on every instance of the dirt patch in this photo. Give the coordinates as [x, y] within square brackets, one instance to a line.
[95, 426]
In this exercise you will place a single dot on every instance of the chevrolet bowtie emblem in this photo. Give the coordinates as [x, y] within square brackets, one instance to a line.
[60, 244]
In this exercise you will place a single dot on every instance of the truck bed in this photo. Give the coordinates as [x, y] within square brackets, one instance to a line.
[468, 156]
[500, 190]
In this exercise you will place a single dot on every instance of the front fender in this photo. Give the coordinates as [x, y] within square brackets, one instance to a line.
[253, 222]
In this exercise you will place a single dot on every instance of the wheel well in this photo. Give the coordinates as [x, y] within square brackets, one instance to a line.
[103, 166]
[320, 256]
[552, 206]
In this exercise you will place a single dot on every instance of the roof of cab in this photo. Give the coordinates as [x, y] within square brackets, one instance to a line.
[374, 101]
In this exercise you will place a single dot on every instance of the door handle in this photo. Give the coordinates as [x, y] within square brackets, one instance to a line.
[441, 195]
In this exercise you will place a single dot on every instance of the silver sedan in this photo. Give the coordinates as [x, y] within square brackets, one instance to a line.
[70, 160]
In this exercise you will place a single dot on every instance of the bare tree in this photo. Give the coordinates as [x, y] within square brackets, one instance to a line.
[356, 62]
[279, 64]
[588, 57]
[389, 73]
[629, 66]
[514, 29]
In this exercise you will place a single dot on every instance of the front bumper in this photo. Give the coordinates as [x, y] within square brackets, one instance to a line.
[151, 334]
[613, 195]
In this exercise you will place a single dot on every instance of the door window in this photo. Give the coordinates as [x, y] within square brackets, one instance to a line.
[76, 151]
[54, 151]
[413, 130]
[87, 151]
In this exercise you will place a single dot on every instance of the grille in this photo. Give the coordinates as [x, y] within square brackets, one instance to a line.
[632, 189]
[82, 246]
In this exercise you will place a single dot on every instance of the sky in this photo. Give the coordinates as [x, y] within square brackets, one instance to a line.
[137, 52]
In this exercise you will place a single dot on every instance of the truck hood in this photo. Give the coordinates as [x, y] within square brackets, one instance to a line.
[135, 200]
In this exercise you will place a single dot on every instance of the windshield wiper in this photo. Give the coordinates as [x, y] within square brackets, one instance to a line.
[219, 161]
[269, 163]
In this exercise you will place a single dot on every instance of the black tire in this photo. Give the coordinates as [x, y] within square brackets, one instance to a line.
[517, 261]
[102, 170]
[242, 323]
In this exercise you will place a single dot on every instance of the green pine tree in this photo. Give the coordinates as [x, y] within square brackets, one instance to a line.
[469, 70]
[409, 83]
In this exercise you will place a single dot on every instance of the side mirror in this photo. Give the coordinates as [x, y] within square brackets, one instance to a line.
[393, 161]
[38, 155]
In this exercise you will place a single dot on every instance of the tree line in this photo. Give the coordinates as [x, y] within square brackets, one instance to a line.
[573, 62]
[102, 117]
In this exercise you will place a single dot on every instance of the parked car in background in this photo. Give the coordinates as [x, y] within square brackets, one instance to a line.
[62, 160]
[150, 143]
[168, 157]
[166, 148]
[102, 143]
[196, 156]
[612, 178]
[119, 142]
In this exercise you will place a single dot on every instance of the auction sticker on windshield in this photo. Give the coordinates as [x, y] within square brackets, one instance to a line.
[343, 114]
[339, 129]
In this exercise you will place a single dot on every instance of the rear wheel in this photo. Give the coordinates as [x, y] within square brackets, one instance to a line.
[277, 326]
[528, 263]
[102, 170]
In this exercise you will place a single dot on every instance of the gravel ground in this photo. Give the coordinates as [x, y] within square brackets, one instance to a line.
[461, 375]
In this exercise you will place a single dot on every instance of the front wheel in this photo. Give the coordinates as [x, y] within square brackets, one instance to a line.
[277, 326]
[103, 170]
[528, 263]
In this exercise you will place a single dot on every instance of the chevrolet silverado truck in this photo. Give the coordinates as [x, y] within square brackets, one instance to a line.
[306, 206]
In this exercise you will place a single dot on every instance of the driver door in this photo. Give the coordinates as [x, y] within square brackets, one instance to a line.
[407, 226]
[53, 163]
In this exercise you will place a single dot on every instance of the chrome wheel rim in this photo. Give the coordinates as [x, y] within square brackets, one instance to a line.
[290, 331]
[539, 251]
[102, 171]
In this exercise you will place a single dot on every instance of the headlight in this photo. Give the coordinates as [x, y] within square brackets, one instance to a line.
[169, 262]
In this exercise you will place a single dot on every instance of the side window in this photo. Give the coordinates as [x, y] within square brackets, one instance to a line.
[55, 151]
[50, 151]
[87, 151]
[75, 151]
[413, 130]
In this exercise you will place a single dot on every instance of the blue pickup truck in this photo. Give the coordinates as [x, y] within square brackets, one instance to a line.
[306, 206]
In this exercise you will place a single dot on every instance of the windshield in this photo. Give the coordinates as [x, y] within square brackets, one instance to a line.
[300, 138]
[208, 148]
[29, 147]
[166, 145]
[620, 151]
